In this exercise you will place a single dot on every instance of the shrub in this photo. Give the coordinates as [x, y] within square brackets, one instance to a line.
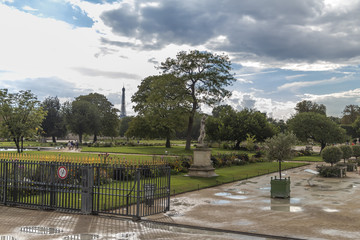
[327, 171]
[331, 154]
[347, 152]
[356, 151]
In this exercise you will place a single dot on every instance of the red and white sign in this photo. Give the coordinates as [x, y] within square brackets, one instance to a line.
[62, 172]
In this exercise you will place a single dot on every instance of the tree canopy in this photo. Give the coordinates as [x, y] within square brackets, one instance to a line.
[350, 114]
[108, 121]
[309, 106]
[315, 126]
[21, 116]
[160, 100]
[227, 124]
[54, 123]
[205, 76]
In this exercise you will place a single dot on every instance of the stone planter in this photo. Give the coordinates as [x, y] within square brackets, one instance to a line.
[280, 187]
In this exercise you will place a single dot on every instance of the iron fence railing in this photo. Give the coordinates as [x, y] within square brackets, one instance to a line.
[120, 189]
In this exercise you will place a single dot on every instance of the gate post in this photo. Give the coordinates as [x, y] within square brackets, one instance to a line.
[138, 197]
[5, 183]
[87, 183]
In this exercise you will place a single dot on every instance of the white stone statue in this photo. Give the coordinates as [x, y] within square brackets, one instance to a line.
[202, 131]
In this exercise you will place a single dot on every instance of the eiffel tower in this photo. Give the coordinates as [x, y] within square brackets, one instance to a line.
[123, 110]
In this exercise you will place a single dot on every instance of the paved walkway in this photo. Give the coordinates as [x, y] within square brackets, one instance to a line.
[325, 209]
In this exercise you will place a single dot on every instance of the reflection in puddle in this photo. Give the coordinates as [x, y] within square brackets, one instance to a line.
[237, 197]
[330, 210]
[7, 238]
[82, 237]
[220, 202]
[265, 188]
[40, 230]
[241, 192]
[126, 236]
[222, 194]
[280, 208]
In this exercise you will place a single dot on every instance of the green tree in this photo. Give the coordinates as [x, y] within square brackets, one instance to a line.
[317, 127]
[230, 125]
[350, 114]
[309, 106]
[347, 151]
[356, 151]
[81, 117]
[54, 123]
[279, 147]
[124, 125]
[205, 76]
[21, 116]
[356, 126]
[332, 154]
[109, 121]
[160, 100]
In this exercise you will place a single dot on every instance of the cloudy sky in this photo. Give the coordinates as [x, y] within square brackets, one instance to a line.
[282, 51]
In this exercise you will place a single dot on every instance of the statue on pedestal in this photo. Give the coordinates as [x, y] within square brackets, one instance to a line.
[202, 132]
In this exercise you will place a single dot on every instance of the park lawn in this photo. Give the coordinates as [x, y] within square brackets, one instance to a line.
[312, 158]
[146, 150]
[72, 155]
[181, 184]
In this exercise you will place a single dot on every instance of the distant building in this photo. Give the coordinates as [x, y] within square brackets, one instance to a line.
[123, 109]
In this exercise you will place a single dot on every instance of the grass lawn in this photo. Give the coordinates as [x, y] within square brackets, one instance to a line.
[312, 158]
[181, 184]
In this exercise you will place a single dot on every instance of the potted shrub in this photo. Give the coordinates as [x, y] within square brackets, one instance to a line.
[332, 154]
[279, 148]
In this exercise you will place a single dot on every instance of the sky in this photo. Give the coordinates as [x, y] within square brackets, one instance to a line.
[282, 52]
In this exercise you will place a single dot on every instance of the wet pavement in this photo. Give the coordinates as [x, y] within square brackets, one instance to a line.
[319, 208]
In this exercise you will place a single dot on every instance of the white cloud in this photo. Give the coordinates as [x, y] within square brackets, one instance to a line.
[335, 102]
[28, 8]
[296, 85]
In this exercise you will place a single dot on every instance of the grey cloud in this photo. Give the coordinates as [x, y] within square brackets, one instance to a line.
[45, 87]
[298, 30]
[115, 75]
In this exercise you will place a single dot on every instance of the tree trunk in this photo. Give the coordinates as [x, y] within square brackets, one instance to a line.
[95, 138]
[22, 144]
[189, 131]
[168, 145]
[53, 139]
[80, 138]
[17, 144]
[323, 145]
[280, 169]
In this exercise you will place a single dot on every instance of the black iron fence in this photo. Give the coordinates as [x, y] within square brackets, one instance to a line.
[120, 189]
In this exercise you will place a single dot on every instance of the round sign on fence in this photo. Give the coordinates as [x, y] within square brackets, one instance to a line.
[62, 172]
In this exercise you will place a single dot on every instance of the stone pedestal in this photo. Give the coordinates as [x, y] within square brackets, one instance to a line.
[202, 166]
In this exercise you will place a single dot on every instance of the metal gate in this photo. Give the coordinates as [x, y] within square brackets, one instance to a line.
[120, 189]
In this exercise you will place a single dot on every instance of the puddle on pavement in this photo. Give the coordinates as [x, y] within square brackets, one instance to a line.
[40, 230]
[330, 210]
[265, 188]
[7, 238]
[222, 194]
[245, 182]
[220, 202]
[82, 237]
[239, 197]
[126, 236]
[241, 192]
[173, 214]
[283, 208]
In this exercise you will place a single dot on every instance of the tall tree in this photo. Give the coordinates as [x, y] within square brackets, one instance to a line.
[109, 121]
[82, 117]
[21, 115]
[124, 125]
[160, 101]
[230, 125]
[315, 126]
[309, 106]
[54, 123]
[205, 76]
[350, 114]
